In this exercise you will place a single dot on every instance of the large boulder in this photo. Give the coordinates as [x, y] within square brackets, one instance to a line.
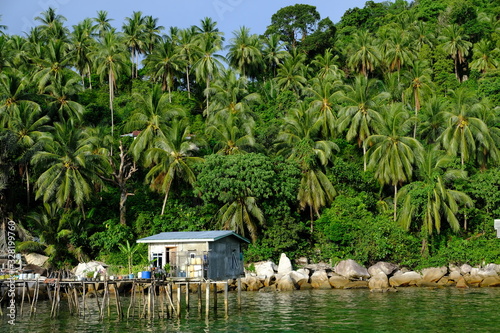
[433, 274]
[405, 279]
[319, 280]
[455, 275]
[381, 266]
[490, 281]
[338, 282]
[378, 282]
[285, 284]
[265, 268]
[87, 267]
[351, 269]
[461, 283]
[299, 278]
[492, 267]
[253, 283]
[356, 285]
[36, 259]
[284, 265]
[473, 280]
[487, 272]
[465, 269]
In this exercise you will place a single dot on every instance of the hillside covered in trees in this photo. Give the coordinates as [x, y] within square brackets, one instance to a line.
[374, 138]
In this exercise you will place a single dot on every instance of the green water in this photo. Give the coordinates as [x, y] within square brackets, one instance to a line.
[408, 310]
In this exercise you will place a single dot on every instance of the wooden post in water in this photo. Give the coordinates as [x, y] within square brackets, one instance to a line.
[207, 298]
[22, 299]
[200, 306]
[226, 301]
[239, 292]
[83, 298]
[215, 297]
[179, 294]
[187, 296]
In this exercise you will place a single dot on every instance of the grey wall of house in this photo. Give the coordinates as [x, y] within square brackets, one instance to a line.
[224, 259]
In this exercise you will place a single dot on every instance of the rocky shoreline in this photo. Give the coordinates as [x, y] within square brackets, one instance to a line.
[348, 274]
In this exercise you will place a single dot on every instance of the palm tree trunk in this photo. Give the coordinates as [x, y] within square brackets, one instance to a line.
[166, 196]
[208, 87]
[364, 157]
[311, 217]
[27, 186]
[187, 81]
[123, 207]
[395, 201]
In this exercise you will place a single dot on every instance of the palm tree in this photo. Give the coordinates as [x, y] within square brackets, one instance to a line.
[51, 24]
[327, 66]
[419, 76]
[421, 34]
[244, 53]
[134, 38]
[363, 54]
[150, 118]
[291, 74]
[455, 43]
[188, 51]
[31, 132]
[464, 133]
[484, 56]
[232, 134]
[362, 102]
[273, 52]
[68, 168]
[437, 201]
[392, 154]
[325, 94]
[103, 24]
[433, 119]
[14, 89]
[172, 157]
[298, 141]
[81, 47]
[63, 93]
[231, 97]
[111, 60]
[209, 65]
[240, 214]
[54, 64]
[152, 32]
[164, 63]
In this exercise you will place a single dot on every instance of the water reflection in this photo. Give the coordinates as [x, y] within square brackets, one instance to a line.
[409, 310]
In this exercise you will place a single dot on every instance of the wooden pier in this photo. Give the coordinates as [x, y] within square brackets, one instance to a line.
[147, 298]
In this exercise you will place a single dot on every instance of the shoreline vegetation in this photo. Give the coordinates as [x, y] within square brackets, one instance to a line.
[375, 138]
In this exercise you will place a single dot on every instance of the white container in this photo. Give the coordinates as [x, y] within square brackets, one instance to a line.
[31, 276]
[139, 275]
[37, 276]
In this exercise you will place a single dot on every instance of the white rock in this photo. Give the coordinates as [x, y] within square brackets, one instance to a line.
[264, 268]
[384, 267]
[36, 259]
[351, 269]
[285, 265]
[465, 269]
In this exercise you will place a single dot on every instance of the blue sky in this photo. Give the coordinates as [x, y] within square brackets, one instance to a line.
[230, 15]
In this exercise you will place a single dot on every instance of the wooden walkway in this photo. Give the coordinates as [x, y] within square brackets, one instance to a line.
[148, 298]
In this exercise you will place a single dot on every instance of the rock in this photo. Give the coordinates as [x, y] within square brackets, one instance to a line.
[338, 282]
[285, 265]
[378, 281]
[433, 274]
[465, 269]
[381, 266]
[302, 261]
[35, 259]
[304, 271]
[422, 283]
[269, 280]
[487, 272]
[356, 285]
[35, 269]
[351, 270]
[285, 284]
[490, 281]
[253, 284]
[455, 275]
[299, 278]
[446, 281]
[473, 280]
[405, 279]
[269, 289]
[319, 267]
[461, 283]
[492, 267]
[305, 286]
[93, 266]
[319, 280]
[265, 268]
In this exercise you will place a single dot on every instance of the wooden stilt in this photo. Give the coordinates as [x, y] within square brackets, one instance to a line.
[200, 305]
[22, 298]
[239, 292]
[179, 293]
[132, 298]
[207, 298]
[187, 296]
[83, 298]
[215, 297]
[226, 301]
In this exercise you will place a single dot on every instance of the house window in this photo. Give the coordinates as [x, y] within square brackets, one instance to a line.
[157, 259]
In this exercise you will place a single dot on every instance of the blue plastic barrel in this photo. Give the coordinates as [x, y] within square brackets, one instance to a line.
[146, 275]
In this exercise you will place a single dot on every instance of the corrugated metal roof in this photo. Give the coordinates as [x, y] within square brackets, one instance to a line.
[190, 236]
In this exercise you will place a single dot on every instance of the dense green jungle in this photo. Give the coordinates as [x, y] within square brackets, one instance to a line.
[374, 138]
